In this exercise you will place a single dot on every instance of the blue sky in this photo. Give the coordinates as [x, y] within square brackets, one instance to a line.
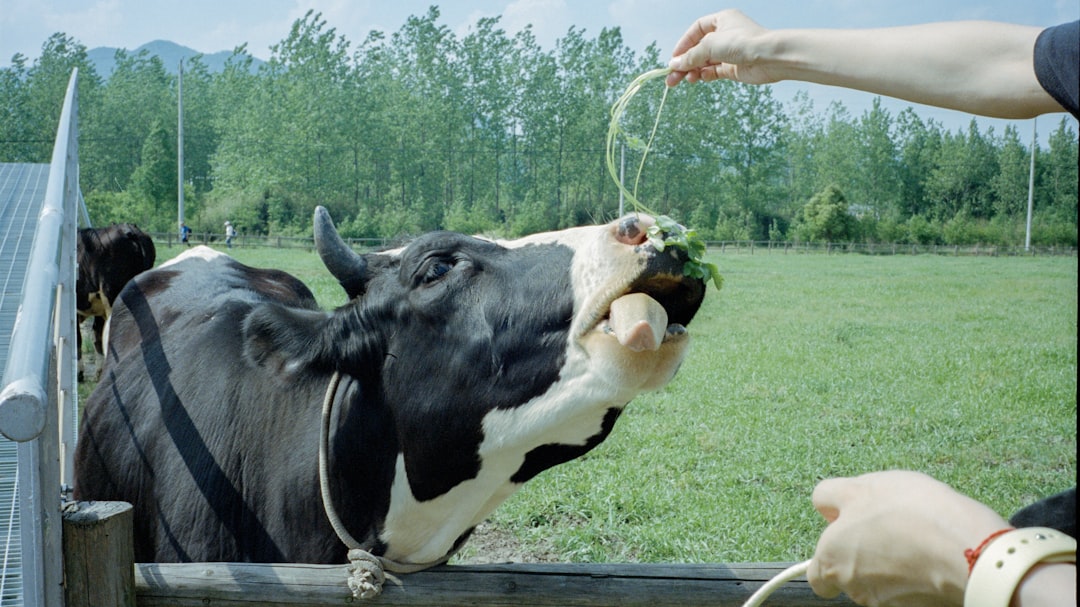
[215, 25]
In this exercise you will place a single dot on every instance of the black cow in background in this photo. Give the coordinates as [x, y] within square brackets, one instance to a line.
[107, 258]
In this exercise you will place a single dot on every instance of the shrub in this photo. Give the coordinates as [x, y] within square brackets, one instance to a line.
[826, 217]
[922, 231]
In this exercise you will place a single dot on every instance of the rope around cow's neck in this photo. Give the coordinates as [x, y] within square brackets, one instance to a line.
[367, 572]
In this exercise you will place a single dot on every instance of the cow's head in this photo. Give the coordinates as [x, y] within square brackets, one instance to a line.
[494, 359]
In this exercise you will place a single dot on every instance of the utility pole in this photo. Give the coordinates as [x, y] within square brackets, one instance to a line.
[180, 145]
[622, 169]
[1031, 190]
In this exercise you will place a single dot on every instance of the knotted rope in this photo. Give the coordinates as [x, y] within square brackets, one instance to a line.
[367, 572]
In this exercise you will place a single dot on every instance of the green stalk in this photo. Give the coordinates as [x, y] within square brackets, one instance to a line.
[666, 232]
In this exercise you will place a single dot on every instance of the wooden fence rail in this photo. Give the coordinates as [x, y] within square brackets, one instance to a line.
[512, 584]
[105, 577]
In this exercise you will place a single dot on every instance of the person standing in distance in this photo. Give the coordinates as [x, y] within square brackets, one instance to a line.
[230, 233]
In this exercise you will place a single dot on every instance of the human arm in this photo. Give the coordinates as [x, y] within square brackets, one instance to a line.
[981, 67]
[1047, 584]
[898, 538]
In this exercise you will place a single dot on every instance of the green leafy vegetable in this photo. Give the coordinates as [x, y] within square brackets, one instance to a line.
[666, 232]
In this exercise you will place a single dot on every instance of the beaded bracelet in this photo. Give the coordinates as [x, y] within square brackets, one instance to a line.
[972, 554]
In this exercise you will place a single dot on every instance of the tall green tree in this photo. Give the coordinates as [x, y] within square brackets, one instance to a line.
[574, 122]
[834, 158]
[876, 185]
[754, 163]
[153, 183]
[15, 127]
[804, 133]
[692, 150]
[490, 95]
[307, 86]
[424, 56]
[919, 142]
[286, 133]
[536, 128]
[1010, 184]
[138, 95]
[45, 84]
[1059, 174]
[200, 137]
[238, 178]
[964, 168]
[593, 73]
[378, 108]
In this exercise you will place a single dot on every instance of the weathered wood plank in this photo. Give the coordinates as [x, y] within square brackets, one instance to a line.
[98, 555]
[545, 585]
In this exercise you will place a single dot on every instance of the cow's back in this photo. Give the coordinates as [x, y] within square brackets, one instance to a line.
[159, 425]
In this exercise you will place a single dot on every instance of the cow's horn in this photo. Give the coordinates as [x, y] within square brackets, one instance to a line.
[344, 263]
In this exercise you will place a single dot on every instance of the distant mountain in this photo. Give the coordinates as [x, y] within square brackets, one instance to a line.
[170, 53]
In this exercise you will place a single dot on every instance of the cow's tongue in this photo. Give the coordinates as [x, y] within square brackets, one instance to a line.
[638, 321]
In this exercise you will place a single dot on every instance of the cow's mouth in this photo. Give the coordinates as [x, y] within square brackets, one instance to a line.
[653, 311]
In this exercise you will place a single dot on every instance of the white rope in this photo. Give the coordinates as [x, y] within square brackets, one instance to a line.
[366, 575]
[367, 572]
[324, 485]
[779, 580]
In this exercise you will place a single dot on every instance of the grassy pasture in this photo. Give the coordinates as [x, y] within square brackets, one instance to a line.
[805, 367]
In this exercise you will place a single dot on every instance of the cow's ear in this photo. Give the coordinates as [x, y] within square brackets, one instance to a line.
[282, 340]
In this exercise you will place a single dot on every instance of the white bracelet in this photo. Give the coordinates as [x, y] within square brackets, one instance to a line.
[1007, 559]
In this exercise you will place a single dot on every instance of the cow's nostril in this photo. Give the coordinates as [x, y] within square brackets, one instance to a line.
[631, 229]
[628, 230]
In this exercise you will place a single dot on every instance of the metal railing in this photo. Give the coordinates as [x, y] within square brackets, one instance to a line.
[38, 399]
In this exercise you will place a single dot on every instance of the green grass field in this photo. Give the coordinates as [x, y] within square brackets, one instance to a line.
[805, 367]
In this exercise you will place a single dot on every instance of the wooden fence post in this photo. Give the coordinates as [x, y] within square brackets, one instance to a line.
[99, 555]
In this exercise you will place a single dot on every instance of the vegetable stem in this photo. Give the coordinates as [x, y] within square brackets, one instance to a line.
[666, 232]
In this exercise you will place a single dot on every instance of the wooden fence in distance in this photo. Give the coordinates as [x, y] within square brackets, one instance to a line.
[100, 571]
[750, 247]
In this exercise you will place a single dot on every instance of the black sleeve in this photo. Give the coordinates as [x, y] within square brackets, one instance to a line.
[1057, 64]
[1057, 512]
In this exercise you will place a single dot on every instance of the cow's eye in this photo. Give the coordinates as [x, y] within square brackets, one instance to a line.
[436, 269]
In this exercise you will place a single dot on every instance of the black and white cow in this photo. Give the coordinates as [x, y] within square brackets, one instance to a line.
[468, 366]
[107, 258]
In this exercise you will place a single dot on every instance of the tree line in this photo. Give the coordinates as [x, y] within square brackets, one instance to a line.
[422, 129]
